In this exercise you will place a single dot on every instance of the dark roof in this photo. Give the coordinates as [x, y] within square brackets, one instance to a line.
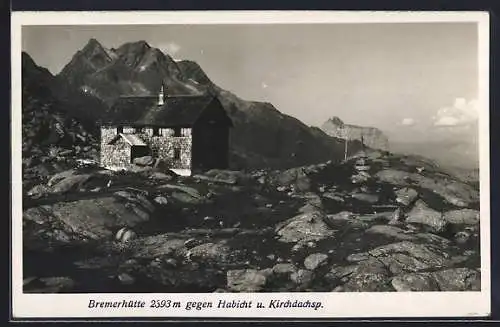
[176, 110]
[179, 111]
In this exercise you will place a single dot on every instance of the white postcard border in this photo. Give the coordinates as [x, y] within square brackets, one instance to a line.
[340, 305]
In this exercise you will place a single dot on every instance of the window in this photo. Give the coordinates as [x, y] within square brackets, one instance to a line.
[138, 129]
[177, 131]
[167, 132]
[119, 129]
[177, 153]
[156, 131]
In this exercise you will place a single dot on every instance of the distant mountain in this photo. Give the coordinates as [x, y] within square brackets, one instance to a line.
[372, 137]
[262, 135]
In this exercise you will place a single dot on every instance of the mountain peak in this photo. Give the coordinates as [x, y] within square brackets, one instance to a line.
[336, 121]
[131, 53]
[137, 46]
[372, 137]
[91, 46]
[93, 41]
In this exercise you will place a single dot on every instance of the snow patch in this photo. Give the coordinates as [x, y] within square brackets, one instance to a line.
[114, 168]
[182, 172]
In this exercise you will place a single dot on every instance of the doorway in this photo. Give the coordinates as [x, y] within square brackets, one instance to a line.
[138, 151]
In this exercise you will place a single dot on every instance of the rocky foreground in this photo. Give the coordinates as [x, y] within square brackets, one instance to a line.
[374, 223]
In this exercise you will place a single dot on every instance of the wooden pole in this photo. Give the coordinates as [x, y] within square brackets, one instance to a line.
[345, 144]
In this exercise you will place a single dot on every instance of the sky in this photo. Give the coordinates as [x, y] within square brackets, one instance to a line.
[404, 78]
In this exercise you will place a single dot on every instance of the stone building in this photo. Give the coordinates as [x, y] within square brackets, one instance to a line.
[189, 133]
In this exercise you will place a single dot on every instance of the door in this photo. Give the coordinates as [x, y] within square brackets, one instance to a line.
[210, 147]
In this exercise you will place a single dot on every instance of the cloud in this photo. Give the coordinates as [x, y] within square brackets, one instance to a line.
[408, 122]
[171, 48]
[264, 85]
[460, 113]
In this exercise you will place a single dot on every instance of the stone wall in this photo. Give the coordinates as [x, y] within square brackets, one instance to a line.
[115, 155]
[162, 144]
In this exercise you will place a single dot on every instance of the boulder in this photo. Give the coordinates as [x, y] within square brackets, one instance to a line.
[156, 175]
[415, 282]
[333, 196]
[366, 197]
[315, 260]
[93, 218]
[369, 275]
[126, 279]
[60, 236]
[296, 178]
[182, 188]
[125, 235]
[453, 191]
[430, 238]
[357, 257]
[302, 278]
[70, 183]
[462, 237]
[39, 190]
[360, 178]
[422, 214]
[144, 161]
[53, 285]
[390, 231]
[39, 215]
[230, 177]
[161, 200]
[60, 176]
[304, 228]
[284, 269]
[215, 252]
[458, 279]
[448, 280]
[343, 215]
[407, 256]
[406, 196]
[462, 216]
[340, 219]
[186, 198]
[158, 246]
[136, 201]
[246, 280]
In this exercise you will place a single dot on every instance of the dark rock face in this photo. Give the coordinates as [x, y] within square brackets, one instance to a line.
[52, 136]
[372, 137]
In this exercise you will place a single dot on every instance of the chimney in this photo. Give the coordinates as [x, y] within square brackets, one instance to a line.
[161, 96]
